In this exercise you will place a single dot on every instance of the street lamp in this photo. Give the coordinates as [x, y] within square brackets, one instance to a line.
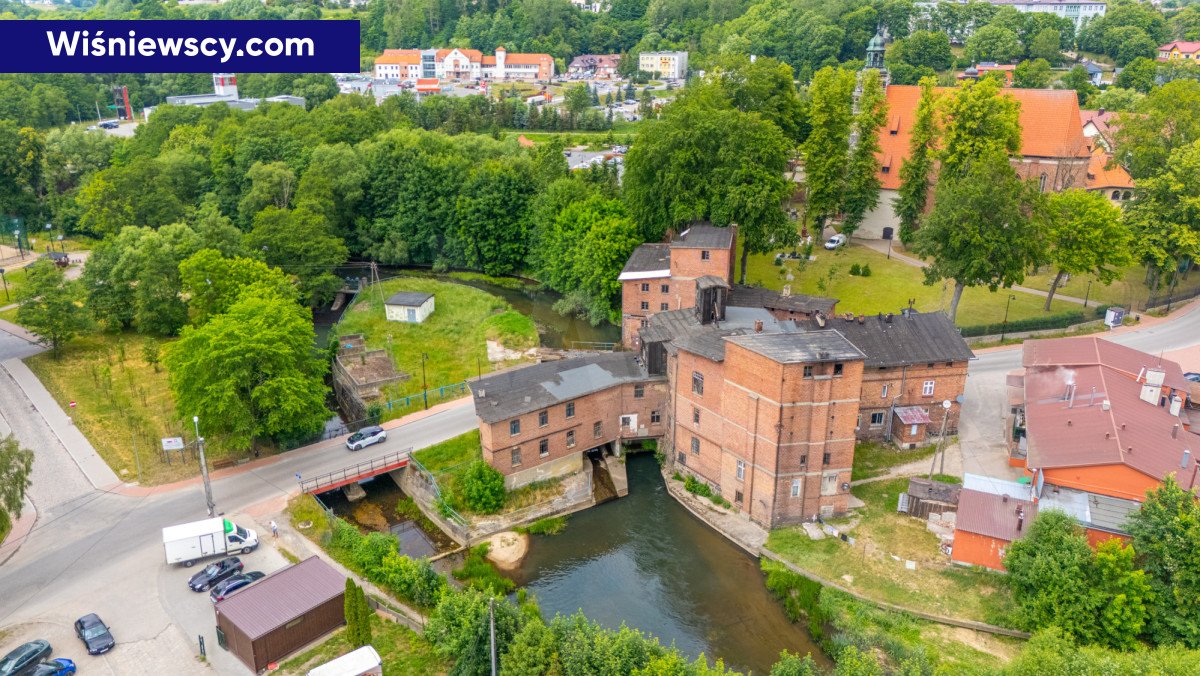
[17, 238]
[1004, 328]
[1087, 293]
[424, 385]
[5, 281]
[212, 508]
[946, 404]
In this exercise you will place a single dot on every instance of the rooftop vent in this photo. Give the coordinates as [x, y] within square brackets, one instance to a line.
[1106, 405]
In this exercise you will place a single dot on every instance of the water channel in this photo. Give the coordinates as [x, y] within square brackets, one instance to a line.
[645, 561]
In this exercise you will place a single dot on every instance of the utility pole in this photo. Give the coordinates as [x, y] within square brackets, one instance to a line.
[941, 439]
[492, 631]
[212, 508]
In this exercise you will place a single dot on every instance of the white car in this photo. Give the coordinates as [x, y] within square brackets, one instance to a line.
[365, 437]
[835, 241]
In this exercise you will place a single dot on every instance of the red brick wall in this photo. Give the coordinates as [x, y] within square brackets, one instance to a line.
[908, 383]
[690, 263]
[1061, 174]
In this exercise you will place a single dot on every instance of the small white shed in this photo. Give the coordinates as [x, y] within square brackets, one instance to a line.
[409, 306]
[362, 662]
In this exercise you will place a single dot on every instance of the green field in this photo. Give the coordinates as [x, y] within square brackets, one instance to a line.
[891, 284]
[453, 338]
[1129, 290]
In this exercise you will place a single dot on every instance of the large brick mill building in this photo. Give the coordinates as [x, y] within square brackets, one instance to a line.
[758, 394]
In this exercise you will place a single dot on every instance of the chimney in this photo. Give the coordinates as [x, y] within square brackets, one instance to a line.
[1106, 405]
[1020, 518]
[1071, 404]
[1176, 404]
[1183, 462]
[1004, 498]
[1100, 112]
[1108, 435]
[1092, 399]
[758, 326]
[849, 316]
[1175, 431]
[1068, 422]
[820, 317]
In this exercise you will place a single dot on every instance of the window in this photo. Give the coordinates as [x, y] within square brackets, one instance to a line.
[795, 488]
[829, 484]
[884, 394]
[741, 470]
[927, 388]
[655, 418]
[544, 447]
[858, 422]
[516, 457]
[737, 497]
[837, 369]
[1042, 183]
[1125, 195]
[825, 459]
[597, 429]
[645, 287]
[695, 415]
[698, 382]
[514, 427]
[877, 419]
[543, 418]
[639, 391]
[571, 409]
[570, 438]
[664, 306]
[626, 422]
[666, 288]
[808, 371]
[645, 305]
[704, 255]
[695, 446]
[804, 459]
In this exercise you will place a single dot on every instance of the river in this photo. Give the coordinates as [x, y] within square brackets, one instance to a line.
[645, 561]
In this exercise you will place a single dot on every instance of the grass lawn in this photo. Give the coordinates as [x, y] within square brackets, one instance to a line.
[1129, 290]
[873, 459]
[121, 402]
[402, 650]
[890, 286]
[934, 587]
[448, 461]
[454, 337]
[5, 525]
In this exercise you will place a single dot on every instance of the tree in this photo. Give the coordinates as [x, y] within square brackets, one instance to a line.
[1164, 221]
[993, 43]
[271, 184]
[356, 634]
[980, 232]
[862, 174]
[764, 86]
[977, 120]
[1046, 46]
[916, 170]
[252, 372]
[16, 466]
[1138, 74]
[1123, 595]
[1147, 139]
[577, 98]
[1078, 79]
[151, 353]
[483, 488]
[533, 651]
[1033, 74]
[923, 48]
[1116, 100]
[828, 146]
[1166, 536]
[1049, 572]
[1086, 236]
[791, 664]
[213, 283]
[49, 306]
[299, 242]
[459, 627]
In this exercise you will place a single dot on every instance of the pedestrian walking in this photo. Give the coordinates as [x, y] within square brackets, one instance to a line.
[274, 529]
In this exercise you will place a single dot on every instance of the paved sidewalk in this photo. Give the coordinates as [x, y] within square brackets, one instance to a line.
[18, 331]
[20, 529]
[882, 247]
[80, 449]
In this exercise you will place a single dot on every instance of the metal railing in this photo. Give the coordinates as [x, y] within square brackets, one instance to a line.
[366, 467]
[438, 502]
[591, 345]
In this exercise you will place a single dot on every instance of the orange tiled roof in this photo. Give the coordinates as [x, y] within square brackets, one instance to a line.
[399, 57]
[1049, 119]
[528, 59]
[1103, 173]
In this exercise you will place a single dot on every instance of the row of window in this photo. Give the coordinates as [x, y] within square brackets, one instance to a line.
[825, 457]
[926, 389]
[514, 425]
[663, 307]
[664, 288]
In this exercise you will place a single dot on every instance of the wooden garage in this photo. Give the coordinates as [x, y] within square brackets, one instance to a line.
[281, 613]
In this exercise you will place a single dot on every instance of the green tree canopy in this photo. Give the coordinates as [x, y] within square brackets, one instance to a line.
[828, 146]
[1032, 74]
[916, 170]
[50, 306]
[298, 241]
[1086, 236]
[1166, 535]
[994, 43]
[16, 466]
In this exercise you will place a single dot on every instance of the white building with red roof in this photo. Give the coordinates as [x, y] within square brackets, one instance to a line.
[468, 65]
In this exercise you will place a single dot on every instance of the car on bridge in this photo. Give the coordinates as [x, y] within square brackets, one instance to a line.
[365, 437]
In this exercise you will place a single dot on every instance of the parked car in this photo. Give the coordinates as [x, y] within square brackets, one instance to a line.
[95, 634]
[214, 573]
[365, 437]
[109, 124]
[59, 666]
[835, 241]
[22, 660]
[223, 590]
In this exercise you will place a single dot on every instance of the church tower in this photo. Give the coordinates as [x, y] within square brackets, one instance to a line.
[875, 49]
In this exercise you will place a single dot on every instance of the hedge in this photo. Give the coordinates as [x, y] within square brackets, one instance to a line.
[1058, 321]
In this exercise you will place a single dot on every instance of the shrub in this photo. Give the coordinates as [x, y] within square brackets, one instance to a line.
[855, 270]
[1058, 321]
[865, 271]
[677, 476]
[478, 573]
[482, 488]
[697, 487]
[551, 525]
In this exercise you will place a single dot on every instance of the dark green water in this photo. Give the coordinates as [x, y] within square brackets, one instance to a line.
[645, 561]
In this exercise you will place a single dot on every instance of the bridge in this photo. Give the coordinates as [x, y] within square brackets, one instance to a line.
[355, 473]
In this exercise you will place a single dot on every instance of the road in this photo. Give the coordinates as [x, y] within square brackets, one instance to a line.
[95, 550]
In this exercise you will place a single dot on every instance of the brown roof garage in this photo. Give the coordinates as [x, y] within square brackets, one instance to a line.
[283, 612]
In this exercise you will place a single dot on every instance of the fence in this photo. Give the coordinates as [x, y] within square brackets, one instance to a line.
[393, 460]
[1167, 299]
[591, 345]
[421, 485]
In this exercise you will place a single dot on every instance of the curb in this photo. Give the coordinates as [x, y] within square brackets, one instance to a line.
[20, 530]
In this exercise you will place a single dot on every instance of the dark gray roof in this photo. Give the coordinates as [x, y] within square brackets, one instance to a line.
[682, 329]
[649, 258]
[701, 236]
[501, 396]
[912, 338]
[920, 487]
[710, 281]
[282, 596]
[409, 298]
[825, 346]
[753, 296]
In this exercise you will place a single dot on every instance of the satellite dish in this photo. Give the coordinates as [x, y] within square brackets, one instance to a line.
[946, 404]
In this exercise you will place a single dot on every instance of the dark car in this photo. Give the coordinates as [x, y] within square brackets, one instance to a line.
[21, 660]
[94, 633]
[223, 590]
[214, 573]
[59, 666]
[109, 125]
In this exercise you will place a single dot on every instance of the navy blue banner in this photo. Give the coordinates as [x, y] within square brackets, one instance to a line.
[180, 46]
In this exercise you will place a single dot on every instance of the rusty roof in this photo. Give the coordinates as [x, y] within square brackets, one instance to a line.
[993, 515]
[912, 415]
[1049, 118]
[282, 596]
[1068, 381]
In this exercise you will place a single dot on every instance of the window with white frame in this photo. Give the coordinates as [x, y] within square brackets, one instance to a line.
[741, 470]
[927, 388]
[877, 419]
[883, 395]
[795, 488]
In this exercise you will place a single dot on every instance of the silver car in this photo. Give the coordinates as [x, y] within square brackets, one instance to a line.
[365, 437]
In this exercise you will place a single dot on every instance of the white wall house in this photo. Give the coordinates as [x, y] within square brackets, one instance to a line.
[1075, 10]
[409, 306]
[670, 65]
